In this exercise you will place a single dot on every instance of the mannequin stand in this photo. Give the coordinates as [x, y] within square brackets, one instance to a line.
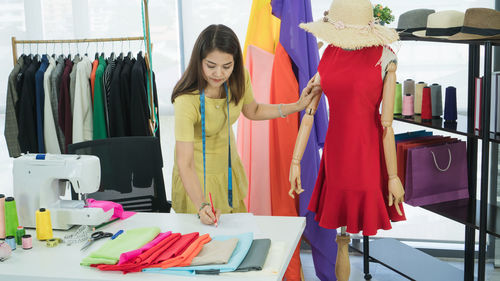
[343, 265]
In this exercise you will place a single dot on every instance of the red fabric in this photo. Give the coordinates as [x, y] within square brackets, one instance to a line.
[282, 135]
[351, 189]
[169, 248]
[187, 256]
[95, 64]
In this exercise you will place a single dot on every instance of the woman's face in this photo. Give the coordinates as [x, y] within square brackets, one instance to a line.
[217, 67]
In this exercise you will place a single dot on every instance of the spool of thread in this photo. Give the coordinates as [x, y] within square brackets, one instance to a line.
[436, 101]
[426, 104]
[20, 232]
[43, 224]
[2, 216]
[419, 88]
[450, 104]
[11, 240]
[408, 106]
[53, 242]
[11, 221]
[5, 251]
[398, 99]
[27, 242]
[409, 87]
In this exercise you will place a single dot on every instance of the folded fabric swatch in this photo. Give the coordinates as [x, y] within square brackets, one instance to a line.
[215, 252]
[256, 256]
[187, 256]
[118, 211]
[131, 255]
[241, 250]
[144, 259]
[177, 249]
[110, 252]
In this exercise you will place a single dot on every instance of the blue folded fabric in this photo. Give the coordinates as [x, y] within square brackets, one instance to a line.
[411, 135]
[244, 243]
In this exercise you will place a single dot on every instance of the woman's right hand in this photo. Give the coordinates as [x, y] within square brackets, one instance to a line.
[207, 216]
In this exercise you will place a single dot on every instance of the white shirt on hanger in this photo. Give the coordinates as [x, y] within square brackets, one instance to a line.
[49, 126]
[82, 112]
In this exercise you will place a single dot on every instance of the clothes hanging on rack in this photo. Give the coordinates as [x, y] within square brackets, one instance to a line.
[50, 102]
[11, 132]
[49, 127]
[27, 117]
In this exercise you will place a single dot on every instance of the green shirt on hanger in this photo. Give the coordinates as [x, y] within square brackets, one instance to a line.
[99, 117]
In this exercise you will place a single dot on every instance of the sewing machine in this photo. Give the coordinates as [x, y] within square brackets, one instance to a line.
[40, 180]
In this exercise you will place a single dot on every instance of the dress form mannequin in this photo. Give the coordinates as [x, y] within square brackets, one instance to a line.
[396, 191]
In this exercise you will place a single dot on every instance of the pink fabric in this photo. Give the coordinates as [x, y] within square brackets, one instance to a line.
[253, 136]
[107, 205]
[127, 256]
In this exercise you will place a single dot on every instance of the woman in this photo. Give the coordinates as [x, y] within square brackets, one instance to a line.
[216, 62]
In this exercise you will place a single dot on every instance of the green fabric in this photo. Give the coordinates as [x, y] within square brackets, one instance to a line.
[99, 118]
[110, 252]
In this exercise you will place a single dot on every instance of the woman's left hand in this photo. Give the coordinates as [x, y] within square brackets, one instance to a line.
[312, 89]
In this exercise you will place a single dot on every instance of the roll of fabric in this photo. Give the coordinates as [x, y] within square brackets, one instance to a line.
[11, 221]
[43, 224]
[426, 104]
[408, 106]
[2, 216]
[419, 88]
[436, 100]
[398, 97]
[409, 87]
[450, 104]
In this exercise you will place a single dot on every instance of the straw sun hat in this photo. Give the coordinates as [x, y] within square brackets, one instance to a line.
[349, 24]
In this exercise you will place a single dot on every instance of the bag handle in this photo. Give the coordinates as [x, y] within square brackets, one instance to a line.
[435, 162]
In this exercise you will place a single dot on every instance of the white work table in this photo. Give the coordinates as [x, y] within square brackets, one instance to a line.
[63, 262]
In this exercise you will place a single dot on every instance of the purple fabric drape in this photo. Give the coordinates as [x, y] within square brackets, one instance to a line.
[303, 50]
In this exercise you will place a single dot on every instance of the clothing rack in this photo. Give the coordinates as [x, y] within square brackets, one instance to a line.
[15, 42]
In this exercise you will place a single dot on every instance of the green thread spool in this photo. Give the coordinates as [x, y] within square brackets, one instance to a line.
[11, 221]
[2, 216]
[398, 99]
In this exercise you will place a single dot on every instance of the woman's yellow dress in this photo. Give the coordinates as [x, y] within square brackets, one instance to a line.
[188, 129]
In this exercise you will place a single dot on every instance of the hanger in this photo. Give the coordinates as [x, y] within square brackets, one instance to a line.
[54, 51]
[69, 51]
[87, 49]
[121, 53]
[96, 51]
[102, 54]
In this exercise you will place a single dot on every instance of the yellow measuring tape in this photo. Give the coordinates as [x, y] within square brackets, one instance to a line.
[53, 242]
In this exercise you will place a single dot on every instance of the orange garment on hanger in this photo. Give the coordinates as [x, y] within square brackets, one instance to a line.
[187, 256]
[95, 64]
[282, 136]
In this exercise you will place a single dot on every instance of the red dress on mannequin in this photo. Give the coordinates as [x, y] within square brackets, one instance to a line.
[351, 189]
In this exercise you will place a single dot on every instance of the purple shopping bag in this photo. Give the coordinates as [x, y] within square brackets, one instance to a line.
[436, 174]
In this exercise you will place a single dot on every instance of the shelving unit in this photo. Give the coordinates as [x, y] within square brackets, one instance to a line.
[474, 214]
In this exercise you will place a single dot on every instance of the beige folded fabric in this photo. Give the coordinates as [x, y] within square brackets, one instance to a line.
[215, 252]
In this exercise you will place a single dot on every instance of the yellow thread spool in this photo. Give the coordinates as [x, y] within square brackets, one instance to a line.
[43, 224]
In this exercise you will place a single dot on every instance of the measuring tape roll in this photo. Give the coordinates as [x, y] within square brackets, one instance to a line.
[53, 242]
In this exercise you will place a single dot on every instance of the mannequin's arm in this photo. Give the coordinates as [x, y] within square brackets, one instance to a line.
[301, 142]
[396, 191]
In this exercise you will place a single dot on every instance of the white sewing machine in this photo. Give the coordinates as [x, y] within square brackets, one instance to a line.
[37, 184]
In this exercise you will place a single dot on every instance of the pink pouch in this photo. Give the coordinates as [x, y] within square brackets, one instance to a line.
[107, 205]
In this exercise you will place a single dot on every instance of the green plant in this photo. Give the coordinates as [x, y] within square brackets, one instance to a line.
[383, 14]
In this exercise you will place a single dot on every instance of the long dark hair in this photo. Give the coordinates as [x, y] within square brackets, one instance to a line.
[214, 37]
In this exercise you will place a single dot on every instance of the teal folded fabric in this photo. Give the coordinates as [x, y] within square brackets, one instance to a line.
[133, 239]
[244, 243]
